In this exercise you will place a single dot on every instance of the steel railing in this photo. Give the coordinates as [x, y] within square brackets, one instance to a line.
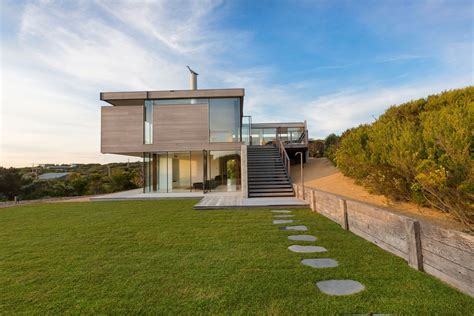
[284, 156]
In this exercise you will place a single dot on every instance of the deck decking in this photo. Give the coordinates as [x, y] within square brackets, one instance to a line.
[209, 201]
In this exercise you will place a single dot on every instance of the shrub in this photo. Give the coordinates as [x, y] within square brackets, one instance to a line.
[420, 151]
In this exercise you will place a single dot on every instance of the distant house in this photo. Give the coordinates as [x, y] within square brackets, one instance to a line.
[53, 176]
[200, 140]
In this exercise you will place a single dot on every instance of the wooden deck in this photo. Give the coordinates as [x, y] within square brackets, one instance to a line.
[210, 202]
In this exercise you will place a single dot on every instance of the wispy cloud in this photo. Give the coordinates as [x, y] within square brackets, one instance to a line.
[61, 54]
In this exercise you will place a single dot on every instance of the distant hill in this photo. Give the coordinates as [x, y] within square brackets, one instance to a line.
[74, 180]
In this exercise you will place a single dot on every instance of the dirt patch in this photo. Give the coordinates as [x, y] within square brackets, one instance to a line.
[320, 174]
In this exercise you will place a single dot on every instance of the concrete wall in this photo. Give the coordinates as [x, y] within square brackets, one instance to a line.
[445, 254]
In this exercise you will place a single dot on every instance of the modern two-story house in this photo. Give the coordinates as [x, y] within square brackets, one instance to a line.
[199, 140]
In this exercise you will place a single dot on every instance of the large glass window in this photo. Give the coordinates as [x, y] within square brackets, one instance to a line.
[168, 172]
[162, 177]
[180, 101]
[224, 120]
[197, 171]
[147, 172]
[148, 122]
[246, 129]
[296, 134]
[180, 170]
[224, 171]
[257, 136]
[269, 135]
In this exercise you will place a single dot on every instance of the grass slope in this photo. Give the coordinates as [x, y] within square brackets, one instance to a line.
[164, 257]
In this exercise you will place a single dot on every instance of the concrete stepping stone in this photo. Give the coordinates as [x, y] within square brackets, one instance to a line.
[339, 287]
[302, 237]
[283, 216]
[320, 263]
[281, 211]
[282, 221]
[306, 249]
[300, 228]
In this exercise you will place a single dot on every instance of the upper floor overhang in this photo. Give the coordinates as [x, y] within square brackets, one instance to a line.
[138, 97]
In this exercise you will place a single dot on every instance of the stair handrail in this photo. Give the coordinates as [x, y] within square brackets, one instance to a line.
[284, 156]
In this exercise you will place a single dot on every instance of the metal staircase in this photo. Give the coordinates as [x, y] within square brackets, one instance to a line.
[267, 176]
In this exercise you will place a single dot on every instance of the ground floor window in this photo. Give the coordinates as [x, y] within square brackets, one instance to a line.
[188, 171]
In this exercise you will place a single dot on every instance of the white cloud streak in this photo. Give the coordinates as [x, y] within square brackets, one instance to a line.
[65, 53]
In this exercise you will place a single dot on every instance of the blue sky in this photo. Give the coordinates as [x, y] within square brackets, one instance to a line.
[336, 64]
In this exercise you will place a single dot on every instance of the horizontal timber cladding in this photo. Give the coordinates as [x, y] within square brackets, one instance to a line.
[181, 124]
[121, 128]
[443, 253]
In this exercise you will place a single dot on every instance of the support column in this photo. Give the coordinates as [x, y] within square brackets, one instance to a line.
[343, 208]
[313, 200]
[154, 172]
[415, 257]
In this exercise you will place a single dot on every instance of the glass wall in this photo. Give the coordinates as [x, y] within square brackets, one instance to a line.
[263, 136]
[197, 170]
[147, 172]
[224, 120]
[148, 122]
[180, 171]
[180, 101]
[189, 171]
[163, 180]
[224, 117]
[224, 171]
[296, 135]
[246, 129]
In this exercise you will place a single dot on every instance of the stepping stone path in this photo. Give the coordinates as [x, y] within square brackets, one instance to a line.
[302, 237]
[306, 249]
[320, 263]
[330, 287]
[339, 287]
[300, 228]
[282, 221]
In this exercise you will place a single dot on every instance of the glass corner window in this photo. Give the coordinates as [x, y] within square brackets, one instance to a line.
[224, 120]
[148, 122]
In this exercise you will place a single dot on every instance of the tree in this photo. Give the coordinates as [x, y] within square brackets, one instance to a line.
[122, 179]
[79, 183]
[316, 148]
[10, 182]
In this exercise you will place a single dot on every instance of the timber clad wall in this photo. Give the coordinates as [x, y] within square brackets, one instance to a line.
[445, 254]
[181, 124]
[122, 128]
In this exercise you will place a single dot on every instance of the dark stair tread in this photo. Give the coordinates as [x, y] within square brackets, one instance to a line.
[282, 194]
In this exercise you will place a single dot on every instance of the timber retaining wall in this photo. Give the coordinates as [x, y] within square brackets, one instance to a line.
[443, 253]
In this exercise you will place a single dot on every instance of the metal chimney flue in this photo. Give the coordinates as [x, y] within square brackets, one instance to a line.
[192, 79]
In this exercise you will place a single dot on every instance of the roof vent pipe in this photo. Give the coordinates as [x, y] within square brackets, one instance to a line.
[193, 79]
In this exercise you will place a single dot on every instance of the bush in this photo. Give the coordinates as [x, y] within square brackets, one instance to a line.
[331, 143]
[420, 151]
[10, 183]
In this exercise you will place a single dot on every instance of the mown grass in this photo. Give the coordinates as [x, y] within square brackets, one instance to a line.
[163, 257]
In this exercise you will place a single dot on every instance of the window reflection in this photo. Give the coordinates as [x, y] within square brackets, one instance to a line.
[224, 120]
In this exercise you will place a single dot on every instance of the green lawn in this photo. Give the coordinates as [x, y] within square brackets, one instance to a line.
[164, 257]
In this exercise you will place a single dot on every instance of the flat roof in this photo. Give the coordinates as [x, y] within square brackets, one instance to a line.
[137, 97]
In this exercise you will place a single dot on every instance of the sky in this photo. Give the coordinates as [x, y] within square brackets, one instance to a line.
[336, 64]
